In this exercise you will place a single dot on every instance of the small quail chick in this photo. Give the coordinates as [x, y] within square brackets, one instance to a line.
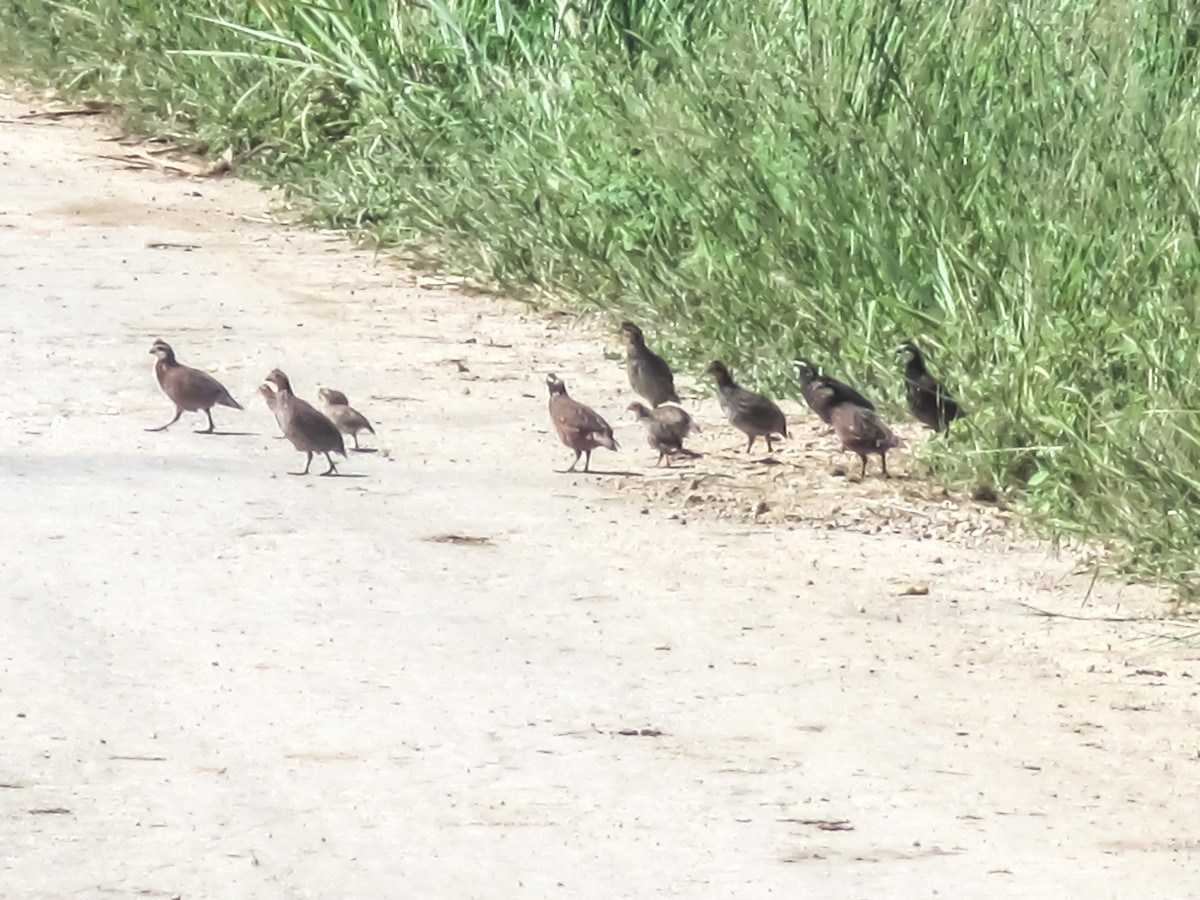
[863, 432]
[666, 427]
[349, 421]
[309, 431]
[753, 414]
[189, 389]
[823, 393]
[930, 402]
[579, 427]
[649, 374]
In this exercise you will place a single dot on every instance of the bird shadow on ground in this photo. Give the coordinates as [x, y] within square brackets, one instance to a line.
[229, 433]
[600, 472]
[364, 449]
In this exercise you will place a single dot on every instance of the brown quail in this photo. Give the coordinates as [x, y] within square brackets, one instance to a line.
[309, 430]
[753, 414]
[649, 374]
[350, 421]
[823, 393]
[666, 427]
[863, 432]
[930, 402]
[579, 427]
[189, 389]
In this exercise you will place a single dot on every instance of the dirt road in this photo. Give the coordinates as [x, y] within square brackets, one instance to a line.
[217, 680]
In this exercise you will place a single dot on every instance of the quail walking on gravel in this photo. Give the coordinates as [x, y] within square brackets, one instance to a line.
[309, 431]
[579, 427]
[189, 389]
[649, 374]
[666, 428]
[349, 421]
[753, 414]
[863, 432]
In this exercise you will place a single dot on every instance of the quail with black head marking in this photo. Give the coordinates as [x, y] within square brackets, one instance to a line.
[189, 389]
[752, 414]
[579, 427]
[649, 374]
[823, 393]
[309, 431]
[666, 428]
[931, 403]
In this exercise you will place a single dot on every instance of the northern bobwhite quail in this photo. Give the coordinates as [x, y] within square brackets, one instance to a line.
[930, 402]
[350, 421]
[309, 431]
[863, 432]
[753, 414]
[666, 427]
[579, 427]
[649, 374]
[189, 389]
[823, 393]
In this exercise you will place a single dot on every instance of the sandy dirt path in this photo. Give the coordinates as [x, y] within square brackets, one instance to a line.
[217, 680]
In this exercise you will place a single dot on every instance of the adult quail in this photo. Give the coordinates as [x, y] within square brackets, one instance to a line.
[189, 389]
[930, 402]
[579, 427]
[649, 374]
[350, 421]
[863, 432]
[309, 431]
[823, 393]
[753, 414]
[666, 427]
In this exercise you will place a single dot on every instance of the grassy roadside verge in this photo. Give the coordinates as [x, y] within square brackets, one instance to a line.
[1015, 184]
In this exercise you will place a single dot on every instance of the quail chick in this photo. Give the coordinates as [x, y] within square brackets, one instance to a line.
[823, 393]
[189, 389]
[579, 427]
[349, 421]
[666, 427]
[753, 414]
[309, 431]
[930, 402]
[863, 432]
[649, 374]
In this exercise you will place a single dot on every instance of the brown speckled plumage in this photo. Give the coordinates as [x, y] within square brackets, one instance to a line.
[309, 431]
[189, 389]
[579, 427]
[753, 414]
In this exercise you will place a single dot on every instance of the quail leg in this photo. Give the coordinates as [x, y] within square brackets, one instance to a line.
[178, 413]
[578, 454]
[307, 463]
[587, 459]
[883, 462]
[332, 470]
[211, 429]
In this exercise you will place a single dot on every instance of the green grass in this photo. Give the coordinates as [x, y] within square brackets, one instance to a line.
[1013, 183]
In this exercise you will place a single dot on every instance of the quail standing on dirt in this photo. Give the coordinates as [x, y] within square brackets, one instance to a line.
[863, 432]
[753, 414]
[930, 402]
[350, 421]
[309, 431]
[649, 374]
[666, 427]
[823, 393]
[579, 427]
[189, 389]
